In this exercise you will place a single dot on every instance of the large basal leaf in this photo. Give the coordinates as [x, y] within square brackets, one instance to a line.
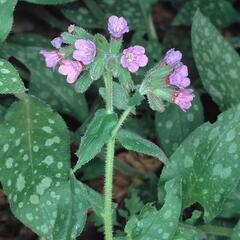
[135, 11]
[96, 135]
[173, 125]
[187, 232]
[6, 16]
[217, 62]
[34, 153]
[45, 83]
[133, 142]
[220, 12]
[50, 2]
[10, 82]
[208, 162]
[153, 224]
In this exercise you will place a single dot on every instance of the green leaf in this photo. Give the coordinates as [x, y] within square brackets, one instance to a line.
[98, 132]
[10, 81]
[217, 62]
[120, 96]
[220, 12]
[6, 16]
[48, 85]
[173, 125]
[133, 142]
[50, 2]
[208, 162]
[34, 158]
[236, 232]
[83, 82]
[71, 210]
[162, 224]
[186, 232]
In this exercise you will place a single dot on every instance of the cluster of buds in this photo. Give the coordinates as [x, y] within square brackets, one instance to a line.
[169, 81]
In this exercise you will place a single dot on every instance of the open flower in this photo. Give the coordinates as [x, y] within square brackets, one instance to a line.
[183, 98]
[52, 58]
[179, 77]
[71, 69]
[117, 26]
[86, 51]
[133, 58]
[172, 57]
[57, 42]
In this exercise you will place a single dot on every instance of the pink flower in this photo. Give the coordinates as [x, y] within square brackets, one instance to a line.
[86, 51]
[71, 69]
[183, 98]
[57, 42]
[179, 77]
[52, 58]
[172, 57]
[133, 58]
[117, 26]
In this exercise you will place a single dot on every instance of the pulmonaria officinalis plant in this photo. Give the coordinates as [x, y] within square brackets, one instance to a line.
[82, 52]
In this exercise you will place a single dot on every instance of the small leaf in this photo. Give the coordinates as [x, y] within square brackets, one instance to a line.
[220, 12]
[96, 135]
[97, 68]
[10, 81]
[236, 232]
[34, 158]
[125, 78]
[153, 223]
[83, 83]
[133, 142]
[120, 96]
[217, 62]
[208, 162]
[173, 125]
[6, 16]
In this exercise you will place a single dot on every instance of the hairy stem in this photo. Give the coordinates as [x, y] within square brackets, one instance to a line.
[216, 230]
[108, 226]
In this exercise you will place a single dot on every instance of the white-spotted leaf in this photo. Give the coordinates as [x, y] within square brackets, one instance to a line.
[217, 62]
[208, 162]
[34, 153]
[10, 81]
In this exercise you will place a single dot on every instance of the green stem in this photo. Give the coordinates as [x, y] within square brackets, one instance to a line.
[216, 230]
[108, 226]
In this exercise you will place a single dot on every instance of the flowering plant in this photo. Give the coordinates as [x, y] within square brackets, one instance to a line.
[118, 109]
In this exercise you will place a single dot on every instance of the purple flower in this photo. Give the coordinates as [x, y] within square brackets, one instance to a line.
[117, 26]
[52, 58]
[172, 57]
[133, 58]
[86, 51]
[71, 69]
[183, 98]
[57, 42]
[179, 77]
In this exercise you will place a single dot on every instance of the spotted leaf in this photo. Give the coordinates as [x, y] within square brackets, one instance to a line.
[34, 153]
[220, 12]
[217, 62]
[208, 162]
[10, 82]
[152, 223]
[50, 2]
[173, 125]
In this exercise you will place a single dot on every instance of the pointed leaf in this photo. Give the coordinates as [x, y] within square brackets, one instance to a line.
[217, 62]
[96, 135]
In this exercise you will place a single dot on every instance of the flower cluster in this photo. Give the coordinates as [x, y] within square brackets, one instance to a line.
[179, 78]
[84, 54]
[84, 51]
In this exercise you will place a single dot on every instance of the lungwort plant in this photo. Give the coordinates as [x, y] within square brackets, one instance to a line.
[195, 196]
